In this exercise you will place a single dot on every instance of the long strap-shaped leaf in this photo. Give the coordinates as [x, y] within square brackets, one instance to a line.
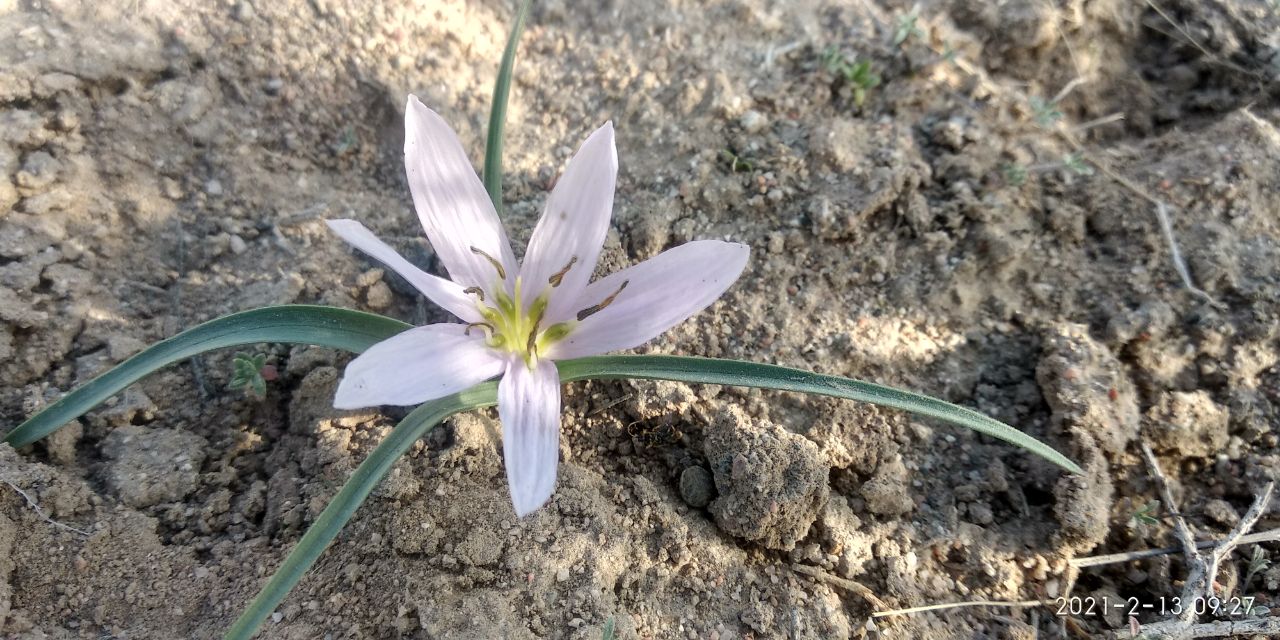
[305, 324]
[768, 376]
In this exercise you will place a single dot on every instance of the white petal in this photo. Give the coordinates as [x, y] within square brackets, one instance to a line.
[573, 224]
[452, 204]
[443, 292]
[529, 406]
[660, 293]
[421, 364]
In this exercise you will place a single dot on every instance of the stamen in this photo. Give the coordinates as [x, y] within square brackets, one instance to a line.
[538, 309]
[502, 273]
[592, 310]
[486, 325]
[476, 290]
[559, 275]
[532, 346]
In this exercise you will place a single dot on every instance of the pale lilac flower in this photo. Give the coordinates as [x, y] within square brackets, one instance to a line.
[519, 318]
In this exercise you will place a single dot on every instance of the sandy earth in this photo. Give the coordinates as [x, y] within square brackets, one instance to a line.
[162, 164]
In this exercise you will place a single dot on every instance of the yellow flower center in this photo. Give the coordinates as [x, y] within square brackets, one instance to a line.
[514, 330]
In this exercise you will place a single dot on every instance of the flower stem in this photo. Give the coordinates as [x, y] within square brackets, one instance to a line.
[498, 111]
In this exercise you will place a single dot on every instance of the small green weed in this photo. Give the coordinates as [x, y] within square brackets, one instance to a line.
[906, 28]
[251, 373]
[857, 74]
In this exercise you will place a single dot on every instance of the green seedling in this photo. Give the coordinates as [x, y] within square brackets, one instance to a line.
[1146, 515]
[736, 162]
[347, 142]
[906, 27]
[1076, 163]
[1258, 562]
[252, 373]
[1014, 174]
[1046, 114]
[855, 73]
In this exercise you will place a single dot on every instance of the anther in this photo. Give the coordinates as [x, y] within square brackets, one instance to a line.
[593, 309]
[532, 346]
[486, 325]
[502, 273]
[559, 275]
[476, 290]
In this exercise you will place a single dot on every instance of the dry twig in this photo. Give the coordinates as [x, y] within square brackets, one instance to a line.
[956, 605]
[1202, 573]
[857, 588]
[31, 502]
[1127, 556]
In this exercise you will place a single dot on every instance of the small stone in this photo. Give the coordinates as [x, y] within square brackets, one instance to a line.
[753, 121]
[273, 86]
[244, 11]
[886, 492]
[237, 244]
[1220, 511]
[697, 487]
[213, 187]
[38, 172]
[171, 189]
[120, 347]
[379, 296]
[562, 574]
[66, 120]
[980, 513]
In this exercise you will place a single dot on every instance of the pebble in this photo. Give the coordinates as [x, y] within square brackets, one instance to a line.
[237, 245]
[244, 12]
[697, 487]
[379, 296]
[753, 121]
[213, 187]
[562, 574]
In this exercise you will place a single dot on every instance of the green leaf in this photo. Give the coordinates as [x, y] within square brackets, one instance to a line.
[306, 324]
[767, 376]
[343, 505]
[498, 111]
[609, 629]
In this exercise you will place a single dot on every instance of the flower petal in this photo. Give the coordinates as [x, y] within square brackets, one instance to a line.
[659, 293]
[573, 224]
[443, 292]
[529, 406]
[452, 204]
[421, 364]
